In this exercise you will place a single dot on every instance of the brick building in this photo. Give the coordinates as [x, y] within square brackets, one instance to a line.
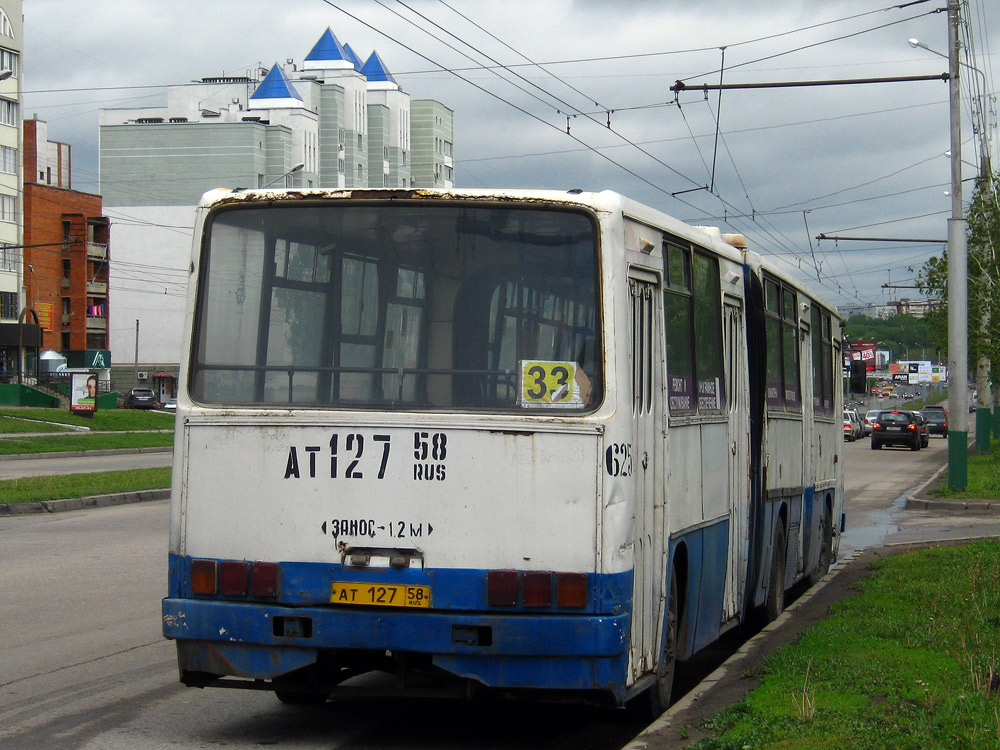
[65, 254]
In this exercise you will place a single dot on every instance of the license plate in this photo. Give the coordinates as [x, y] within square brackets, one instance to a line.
[380, 595]
[894, 429]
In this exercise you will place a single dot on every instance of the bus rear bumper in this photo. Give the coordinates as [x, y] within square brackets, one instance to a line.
[260, 642]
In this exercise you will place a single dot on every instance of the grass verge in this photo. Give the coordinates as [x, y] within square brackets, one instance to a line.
[107, 420]
[85, 442]
[983, 477]
[912, 662]
[58, 487]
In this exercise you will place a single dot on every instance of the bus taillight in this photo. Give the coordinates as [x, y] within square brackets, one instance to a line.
[235, 578]
[537, 589]
[508, 588]
[264, 579]
[571, 590]
[501, 588]
[203, 577]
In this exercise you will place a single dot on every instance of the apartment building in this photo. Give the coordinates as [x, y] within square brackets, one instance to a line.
[331, 120]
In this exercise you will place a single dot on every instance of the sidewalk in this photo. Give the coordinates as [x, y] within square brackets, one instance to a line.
[921, 499]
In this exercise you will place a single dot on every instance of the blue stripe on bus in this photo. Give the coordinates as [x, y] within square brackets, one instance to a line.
[553, 651]
[451, 588]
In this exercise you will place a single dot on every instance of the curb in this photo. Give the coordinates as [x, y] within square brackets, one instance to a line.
[78, 454]
[913, 502]
[647, 738]
[81, 503]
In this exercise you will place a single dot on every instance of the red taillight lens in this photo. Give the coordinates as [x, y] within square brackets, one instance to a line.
[571, 589]
[536, 589]
[501, 588]
[203, 577]
[233, 578]
[264, 579]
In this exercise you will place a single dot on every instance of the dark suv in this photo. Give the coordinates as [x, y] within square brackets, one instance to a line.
[937, 422]
[897, 428]
[141, 398]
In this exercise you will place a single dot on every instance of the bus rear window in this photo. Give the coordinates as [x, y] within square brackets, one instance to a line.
[408, 306]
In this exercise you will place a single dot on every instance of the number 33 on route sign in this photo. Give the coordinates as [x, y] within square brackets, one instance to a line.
[547, 383]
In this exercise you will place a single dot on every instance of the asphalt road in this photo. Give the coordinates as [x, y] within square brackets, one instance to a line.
[84, 664]
[58, 463]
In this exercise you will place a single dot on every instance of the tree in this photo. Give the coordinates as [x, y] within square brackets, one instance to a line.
[984, 290]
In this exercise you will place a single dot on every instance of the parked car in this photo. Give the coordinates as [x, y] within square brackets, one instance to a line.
[897, 428]
[866, 422]
[852, 426]
[937, 422]
[141, 398]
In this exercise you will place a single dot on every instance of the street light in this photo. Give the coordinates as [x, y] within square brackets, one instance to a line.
[297, 168]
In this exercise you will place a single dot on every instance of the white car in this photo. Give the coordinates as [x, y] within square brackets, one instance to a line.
[852, 426]
[866, 423]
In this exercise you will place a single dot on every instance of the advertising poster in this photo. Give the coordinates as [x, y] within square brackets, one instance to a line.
[83, 392]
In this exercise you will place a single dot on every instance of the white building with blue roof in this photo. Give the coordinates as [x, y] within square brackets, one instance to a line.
[331, 121]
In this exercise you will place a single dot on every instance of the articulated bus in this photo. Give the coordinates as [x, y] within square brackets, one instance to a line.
[514, 442]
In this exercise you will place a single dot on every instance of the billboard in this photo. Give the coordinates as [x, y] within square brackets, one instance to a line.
[83, 392]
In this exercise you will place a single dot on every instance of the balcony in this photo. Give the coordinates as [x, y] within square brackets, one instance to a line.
[96, 324]
[97, 287]
[97, 250]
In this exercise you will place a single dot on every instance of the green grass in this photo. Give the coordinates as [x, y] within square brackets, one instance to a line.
[33, 489]
[106, 420]
[83, 442]
[913, 662]
[983, 477]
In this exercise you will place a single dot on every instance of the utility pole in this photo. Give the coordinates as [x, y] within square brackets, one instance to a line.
[135, 361]
[958, 282]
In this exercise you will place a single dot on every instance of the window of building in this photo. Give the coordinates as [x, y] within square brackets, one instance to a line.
[66, 305]
[97, 341]
[8, 159]
[8, 305]
[66, 267]
[402, 157]
[10, 61]
[8, 112]
[8, 208]
[385, 153]
[361, 172]
[447, 148]
[341, 166]
[65, 341]
[449, 173]
[361, 143]
[8, 257]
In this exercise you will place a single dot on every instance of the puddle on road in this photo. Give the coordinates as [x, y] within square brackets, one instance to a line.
[870, 528]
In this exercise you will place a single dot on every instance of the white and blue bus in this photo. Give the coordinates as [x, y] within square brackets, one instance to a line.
[537, 442]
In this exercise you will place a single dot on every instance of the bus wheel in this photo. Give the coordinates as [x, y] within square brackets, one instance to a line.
[825, 551]
[659, 693]
[774, 604]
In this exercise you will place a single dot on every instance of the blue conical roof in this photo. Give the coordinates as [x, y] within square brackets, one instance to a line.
[375, 71]
[353, 56]
[328, 49]
[275, 86]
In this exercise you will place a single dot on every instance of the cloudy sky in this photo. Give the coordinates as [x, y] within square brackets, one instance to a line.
[781, 165]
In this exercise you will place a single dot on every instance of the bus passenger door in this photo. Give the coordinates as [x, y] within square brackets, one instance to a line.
[738, 409]
[647, 443]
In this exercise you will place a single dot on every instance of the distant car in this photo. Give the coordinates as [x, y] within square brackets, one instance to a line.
[897, 428]
[937, 422]
[922, 426]
[141, 398]
[866, 422]
[852, 426]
